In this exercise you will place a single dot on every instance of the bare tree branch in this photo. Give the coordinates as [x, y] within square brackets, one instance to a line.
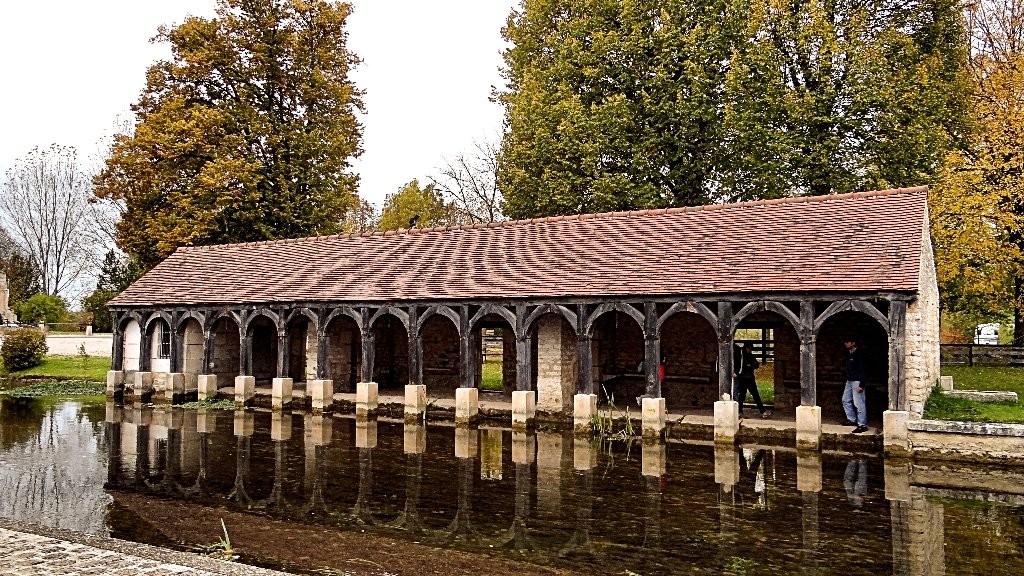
[470, 183]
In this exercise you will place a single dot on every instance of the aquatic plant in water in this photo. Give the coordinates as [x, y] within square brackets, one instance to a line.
[57, 388]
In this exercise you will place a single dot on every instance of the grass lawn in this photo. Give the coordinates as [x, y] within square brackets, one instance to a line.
[490, 375]
[764, 376]
[92, 368]
[998, 378]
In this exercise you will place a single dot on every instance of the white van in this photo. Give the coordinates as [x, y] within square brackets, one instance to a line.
[986, 334]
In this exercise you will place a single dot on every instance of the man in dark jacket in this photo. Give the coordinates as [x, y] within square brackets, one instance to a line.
[744, 364]
[853, 395]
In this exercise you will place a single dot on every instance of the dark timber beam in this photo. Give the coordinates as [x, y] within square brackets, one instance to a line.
[897, 366]
[652, 351]
[283, 352]
[369, 346]
[467, 359]
[523, 345]
[584, 352]
[725, 349]
[415, 347]
[808, 360]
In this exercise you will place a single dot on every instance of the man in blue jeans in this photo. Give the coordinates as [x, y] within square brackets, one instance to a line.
[853, 395]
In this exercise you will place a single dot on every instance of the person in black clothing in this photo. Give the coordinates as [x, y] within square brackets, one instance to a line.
[744, 365]
[853, 395]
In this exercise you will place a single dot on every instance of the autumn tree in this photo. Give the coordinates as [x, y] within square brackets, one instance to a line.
[361, 218]
[415, 206]
[246, 133]
[44, 209]
[615, 105]
[977, 210]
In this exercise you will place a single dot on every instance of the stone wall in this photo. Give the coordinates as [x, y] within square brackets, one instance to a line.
[922, 338]
[344, 348]
[192, 348]
[391, 355]
[225, 358]
[967, 441]
[557, 364]
[440, 344]
[690, 348]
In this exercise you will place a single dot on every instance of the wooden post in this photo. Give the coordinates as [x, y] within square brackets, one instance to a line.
[415, 348]
[808, 357]
[584, 352]
[117, 350]
[897, 337]
[283, 353]
[176, 345]
[652, 351]
[725, 331]
[369, 351]
[146, 352]
[208, 344]
[467, 358]
[523, 346]
[245, 355]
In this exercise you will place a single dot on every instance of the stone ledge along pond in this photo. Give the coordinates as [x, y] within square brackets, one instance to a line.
[333, 495]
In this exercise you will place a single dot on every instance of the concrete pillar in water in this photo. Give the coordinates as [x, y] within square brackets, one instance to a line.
[366, 398]
[115, 382]
[524, 409]
[174, 386]
[414, 438]
[808, 427]
[245, 389]
[206, 386]
[281, 392]
[727, 421]
[549, 472]
[415, 402]
[652, 462]
[653, 417]
[321, 394]
[467, 405]
[583, 413]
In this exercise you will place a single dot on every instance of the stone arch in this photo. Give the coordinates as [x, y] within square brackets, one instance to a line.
[190, 333]
[131, 327]
[261, 332]
[127, 317]
[212, 319]
[158, 338]
[441, 352]
[555, 361]
[588, 325]
[223, 346]
[161, 315]
[776, 343]
[191, 315]
[294, 313]
[391, 363]
[273, 317]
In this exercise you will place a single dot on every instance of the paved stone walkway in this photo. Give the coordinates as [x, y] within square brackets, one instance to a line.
[29, 554]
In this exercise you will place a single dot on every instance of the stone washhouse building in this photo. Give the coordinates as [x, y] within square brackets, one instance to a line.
[585, 308]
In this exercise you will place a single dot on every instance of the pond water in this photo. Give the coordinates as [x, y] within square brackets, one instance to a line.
[305, 493]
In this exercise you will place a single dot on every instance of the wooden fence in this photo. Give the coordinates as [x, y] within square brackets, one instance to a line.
[982, 354]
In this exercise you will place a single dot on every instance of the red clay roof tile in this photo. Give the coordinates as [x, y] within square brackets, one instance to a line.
[852, 242]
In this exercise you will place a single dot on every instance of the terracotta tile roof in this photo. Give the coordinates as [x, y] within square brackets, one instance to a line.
[869, 241]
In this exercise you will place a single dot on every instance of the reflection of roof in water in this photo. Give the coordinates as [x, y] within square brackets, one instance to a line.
[867, 241]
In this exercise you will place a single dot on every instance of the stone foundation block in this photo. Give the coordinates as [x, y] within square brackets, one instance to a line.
[467, 405]
[321, 394]
[415, 402]
[808, 471]
[524, 408]
[245, 423]
[653, 417]
[984, 395]
[366, 398]
[652, 459]
[584, 410]
[524, 447]
[897, 480]
[142, 384]
[245, 389]
[727, 421]
[318, 429]
[895, 435]
[190, 382]
[727, 463]
[206, 385]
[280, 392]
[280, 427]
[414, 438]
[584, 453]
[115, 382]
[467, 442]
[366, 432]
[174, 386]
[946, 383]
[808, 427]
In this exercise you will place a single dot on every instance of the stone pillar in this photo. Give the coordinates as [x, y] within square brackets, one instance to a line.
[415, 402]
[206, 384]
[174, 386]
[654, 417]
[280, 393]
[895, 435]
[808, 427]
[524, 409]
[557, 376]
[142, 384]
[115, 382]
[583, 413]
[652, 460]
[467, 405]
[727, 420]
[245, 389]
[366, 398]
[321, 394]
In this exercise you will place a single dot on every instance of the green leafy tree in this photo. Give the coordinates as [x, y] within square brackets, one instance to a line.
[22, 274]
[414, 206]
[615, 104]
[246, 133]
[46, 308]
[22, 349]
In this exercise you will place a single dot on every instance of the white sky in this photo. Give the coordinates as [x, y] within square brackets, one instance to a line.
[71, 67]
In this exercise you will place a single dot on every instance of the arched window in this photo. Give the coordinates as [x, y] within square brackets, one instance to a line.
[164, 338]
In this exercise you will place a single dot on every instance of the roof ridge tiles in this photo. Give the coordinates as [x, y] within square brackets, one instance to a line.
[589, 216]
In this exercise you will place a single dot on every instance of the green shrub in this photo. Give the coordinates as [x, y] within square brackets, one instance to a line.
[22, 349]
[43, 308]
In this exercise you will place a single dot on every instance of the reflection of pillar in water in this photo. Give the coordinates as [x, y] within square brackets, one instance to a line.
[491, 454]
[172, 468]
[316, 436]
[466, 449]
[112, 438]
[414, 444]
[523, 455]
[244, 423]
[584, 460]
[653, 471]
[366, 441]
[918, 526]
[808, 482]
[280, 434]
[189, 443]
[157, 440]
[727, 472]
[549, 473]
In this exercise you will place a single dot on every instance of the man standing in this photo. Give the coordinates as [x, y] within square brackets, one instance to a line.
[745, 363]
[853, 396]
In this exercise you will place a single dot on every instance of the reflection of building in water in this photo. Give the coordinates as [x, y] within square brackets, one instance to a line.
[491, 456]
